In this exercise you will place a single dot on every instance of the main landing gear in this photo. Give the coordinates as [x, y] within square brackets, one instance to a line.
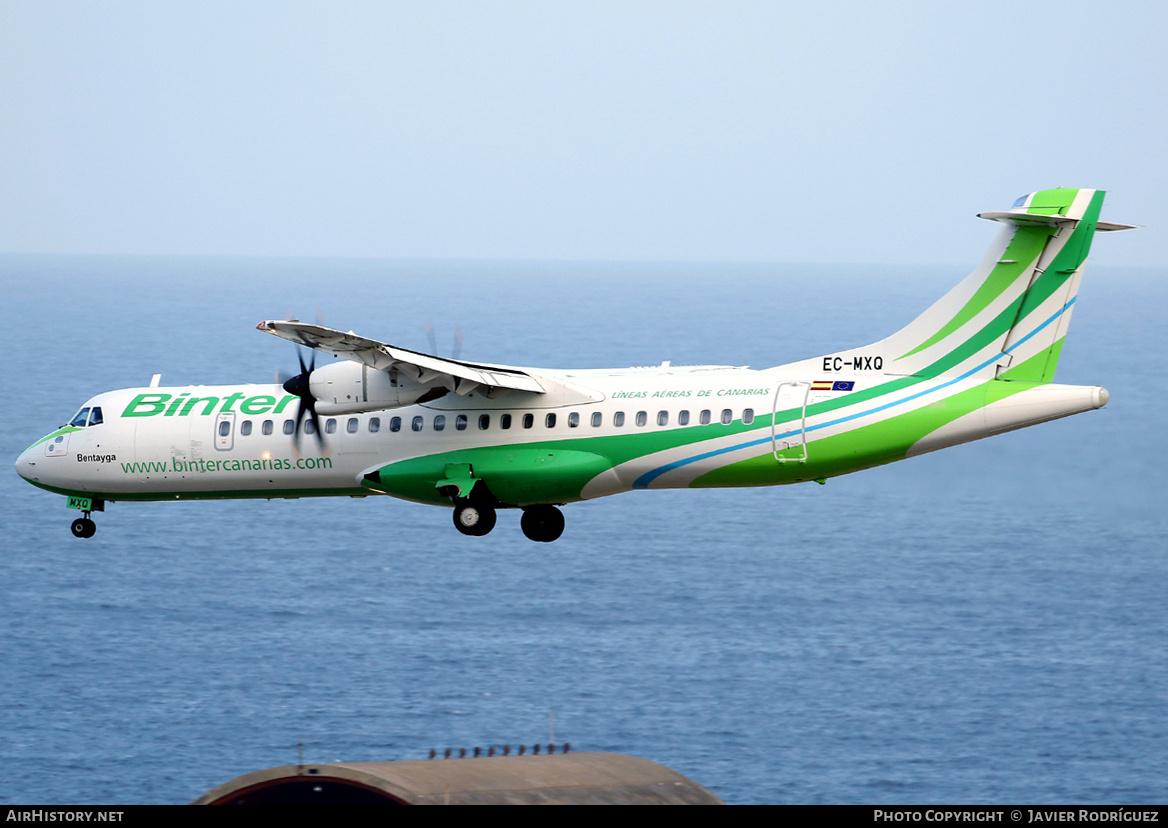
[474, 518]
[542, 524]
[83, 527]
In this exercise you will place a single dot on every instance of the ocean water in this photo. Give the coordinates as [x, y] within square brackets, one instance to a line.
[985, 624]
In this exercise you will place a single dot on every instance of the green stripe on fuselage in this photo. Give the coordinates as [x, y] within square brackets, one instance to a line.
[575, 461]
[861, 448]
[59, 432]
[515, 475]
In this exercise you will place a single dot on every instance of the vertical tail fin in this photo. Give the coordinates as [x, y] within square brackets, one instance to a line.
[1009, 317]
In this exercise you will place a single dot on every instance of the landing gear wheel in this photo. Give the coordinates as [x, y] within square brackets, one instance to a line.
[474, 519]
[542, 524]
[84, 528]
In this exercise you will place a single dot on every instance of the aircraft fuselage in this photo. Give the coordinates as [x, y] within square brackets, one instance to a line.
[704, 426]
[388, 420]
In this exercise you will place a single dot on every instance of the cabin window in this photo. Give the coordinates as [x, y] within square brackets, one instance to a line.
[374, 425]
[224, 428]
[395, 424]
[573, 419]
[81, 419]
[528, 420]
[245, 428]
[352, 425]
[550, 421]
[484, 422]
[505, 421]
[748, 416]
[330, 425]
[705, 417]
[95, 416]
[460, 422]
[662, 418]
[727, 416]
[416, 424]
[289, 426]
[642, 418]
[683, 418]
[309, 427]
[266, 428]
[597, 419]
[618, 419]
[439, 422]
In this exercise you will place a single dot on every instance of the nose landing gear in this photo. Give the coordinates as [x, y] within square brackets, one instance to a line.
[83, 527]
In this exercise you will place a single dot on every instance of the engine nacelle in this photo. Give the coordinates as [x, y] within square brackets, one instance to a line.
[352, 388]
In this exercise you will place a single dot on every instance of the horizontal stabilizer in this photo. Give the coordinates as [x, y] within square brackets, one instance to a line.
[1021, 217]
[1110, 225]
[1028, 219]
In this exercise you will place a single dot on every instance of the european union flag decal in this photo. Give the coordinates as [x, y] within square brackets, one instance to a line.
[843, 385]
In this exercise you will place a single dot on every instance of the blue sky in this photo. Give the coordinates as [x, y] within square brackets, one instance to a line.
[827, 132]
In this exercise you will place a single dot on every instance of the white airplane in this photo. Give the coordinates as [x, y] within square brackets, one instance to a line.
[388, 421]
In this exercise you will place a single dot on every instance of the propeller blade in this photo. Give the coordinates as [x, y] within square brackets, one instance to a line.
[307, 409]
[316, 427]
[300, 387]
[431, 337]
[456, 349]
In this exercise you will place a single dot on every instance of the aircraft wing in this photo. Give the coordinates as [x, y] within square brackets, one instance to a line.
[451, 374]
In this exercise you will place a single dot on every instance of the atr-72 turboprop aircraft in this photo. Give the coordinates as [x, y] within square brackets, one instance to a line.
[385, 420]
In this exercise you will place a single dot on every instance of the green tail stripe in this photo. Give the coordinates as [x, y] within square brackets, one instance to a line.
[1052, 358]
[1035, 366]
[1021, 253]
[1068, 260]
[1024, 248]
[1052, 202]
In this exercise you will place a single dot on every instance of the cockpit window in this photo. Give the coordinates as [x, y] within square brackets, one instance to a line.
[81, 419]
[95, 415]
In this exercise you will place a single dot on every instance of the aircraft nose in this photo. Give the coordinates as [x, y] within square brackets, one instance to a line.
[26, 465]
